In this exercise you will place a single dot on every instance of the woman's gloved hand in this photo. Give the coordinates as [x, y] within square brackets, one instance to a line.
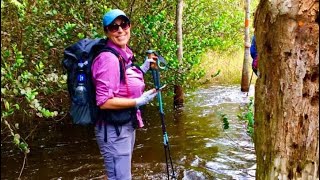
[146, 65]
[146, 97]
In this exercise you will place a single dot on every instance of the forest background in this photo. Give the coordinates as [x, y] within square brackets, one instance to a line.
[35, 33]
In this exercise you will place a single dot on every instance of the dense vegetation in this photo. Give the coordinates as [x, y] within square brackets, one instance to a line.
[35, 33]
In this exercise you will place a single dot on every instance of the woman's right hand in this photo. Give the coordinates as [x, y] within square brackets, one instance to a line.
[146, 97]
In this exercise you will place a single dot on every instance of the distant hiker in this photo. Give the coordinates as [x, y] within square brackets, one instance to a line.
[119, 94]
[254, 55]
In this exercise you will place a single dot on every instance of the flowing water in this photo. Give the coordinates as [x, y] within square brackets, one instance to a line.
[199, 147]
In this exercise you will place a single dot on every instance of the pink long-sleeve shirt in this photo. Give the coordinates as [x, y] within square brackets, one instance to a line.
[106, 77]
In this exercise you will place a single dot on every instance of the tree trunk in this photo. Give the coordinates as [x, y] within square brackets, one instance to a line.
[286, 99]
[245, 70]
[178, 91]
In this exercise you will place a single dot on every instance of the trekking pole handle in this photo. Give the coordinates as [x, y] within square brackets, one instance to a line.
[160, 59]
[153, 66]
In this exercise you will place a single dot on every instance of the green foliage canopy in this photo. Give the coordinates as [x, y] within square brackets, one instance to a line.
[35, 33]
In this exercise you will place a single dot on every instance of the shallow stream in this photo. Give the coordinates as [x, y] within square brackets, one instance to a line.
[200, 148]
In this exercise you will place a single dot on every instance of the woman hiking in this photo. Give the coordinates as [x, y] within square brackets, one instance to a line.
[119, 93]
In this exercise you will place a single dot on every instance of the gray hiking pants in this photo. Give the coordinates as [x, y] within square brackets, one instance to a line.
[117, 151]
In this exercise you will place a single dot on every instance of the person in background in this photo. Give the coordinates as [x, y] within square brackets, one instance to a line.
[116, 142]
[254, 55]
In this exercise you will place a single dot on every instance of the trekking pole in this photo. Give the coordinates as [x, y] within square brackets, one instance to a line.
[156, 78]
[250, 84]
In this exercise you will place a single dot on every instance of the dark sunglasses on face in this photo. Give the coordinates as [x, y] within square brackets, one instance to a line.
[115, 27]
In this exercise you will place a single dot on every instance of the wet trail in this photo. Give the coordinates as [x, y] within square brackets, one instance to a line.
[200, 148]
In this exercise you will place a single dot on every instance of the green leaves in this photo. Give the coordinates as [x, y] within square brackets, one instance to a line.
[19, 58]
[17, 4]
[35, 34]
[69, 26]
[247, 115]
[52, 12]
[216, 74]
[30, 94]
[224, 119]
[16, 139]
[33, 38]
[80, 35]
[64, 32]
[23, 146]
[40, 67]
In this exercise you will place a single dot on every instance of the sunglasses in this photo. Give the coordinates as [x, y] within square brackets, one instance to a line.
[115, 27]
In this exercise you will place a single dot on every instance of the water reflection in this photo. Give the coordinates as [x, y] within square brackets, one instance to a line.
[200, 149]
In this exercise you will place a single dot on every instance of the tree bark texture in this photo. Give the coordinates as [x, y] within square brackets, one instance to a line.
[287, 91]
[245, 67]
[178, 98]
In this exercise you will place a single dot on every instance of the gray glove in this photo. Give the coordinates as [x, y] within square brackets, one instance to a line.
[146, 65]
[146, 97]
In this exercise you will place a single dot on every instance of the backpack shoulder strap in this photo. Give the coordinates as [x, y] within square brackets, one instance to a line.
[101, 47]
[137, 66]
[110, 49]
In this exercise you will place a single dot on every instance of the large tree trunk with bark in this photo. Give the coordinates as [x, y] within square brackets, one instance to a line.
[287, 92]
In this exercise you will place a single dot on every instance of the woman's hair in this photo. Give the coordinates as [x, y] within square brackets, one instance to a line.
[105, 29]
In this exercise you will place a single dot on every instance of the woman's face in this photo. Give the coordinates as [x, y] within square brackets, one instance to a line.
[119, 32]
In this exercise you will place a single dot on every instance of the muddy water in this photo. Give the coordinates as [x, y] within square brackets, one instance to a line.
[200, 148]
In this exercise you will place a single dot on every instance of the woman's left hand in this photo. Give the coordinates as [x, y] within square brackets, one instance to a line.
[146, 65]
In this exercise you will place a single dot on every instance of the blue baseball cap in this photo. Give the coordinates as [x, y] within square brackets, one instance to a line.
[110, 16]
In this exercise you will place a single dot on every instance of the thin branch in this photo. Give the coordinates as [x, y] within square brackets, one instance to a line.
[131, 7]
[31, 132]
[24, 162]
[115, 4]
[61, 117]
